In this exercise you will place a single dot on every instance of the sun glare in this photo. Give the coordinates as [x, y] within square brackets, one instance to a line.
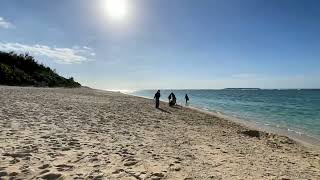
[116, 9]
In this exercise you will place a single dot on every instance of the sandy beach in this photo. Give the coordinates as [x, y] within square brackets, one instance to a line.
[90, 134]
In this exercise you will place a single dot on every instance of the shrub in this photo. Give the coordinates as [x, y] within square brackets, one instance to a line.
[24, 70]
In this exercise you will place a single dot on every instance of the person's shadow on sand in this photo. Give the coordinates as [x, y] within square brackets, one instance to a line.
[176, 106]
[165, 111]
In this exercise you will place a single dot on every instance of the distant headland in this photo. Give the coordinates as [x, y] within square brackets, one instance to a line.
[241, 89]
[24, 70]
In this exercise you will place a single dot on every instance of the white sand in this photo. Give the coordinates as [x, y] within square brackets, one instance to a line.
[90, 134]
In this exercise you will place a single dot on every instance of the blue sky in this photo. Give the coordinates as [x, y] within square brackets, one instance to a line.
[171, 43]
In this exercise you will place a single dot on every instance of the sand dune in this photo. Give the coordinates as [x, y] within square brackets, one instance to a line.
[89, 134]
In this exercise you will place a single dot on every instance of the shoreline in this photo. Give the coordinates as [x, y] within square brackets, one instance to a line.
[305, 140]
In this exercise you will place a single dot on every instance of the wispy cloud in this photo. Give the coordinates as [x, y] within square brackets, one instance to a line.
[5, 24]
[60, 55]
[245, 75]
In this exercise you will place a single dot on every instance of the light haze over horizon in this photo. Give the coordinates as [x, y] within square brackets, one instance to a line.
[170, 44]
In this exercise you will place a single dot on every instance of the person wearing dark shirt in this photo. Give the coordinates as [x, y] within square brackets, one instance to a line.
[157, 98]
[187, 98]
[174, 99]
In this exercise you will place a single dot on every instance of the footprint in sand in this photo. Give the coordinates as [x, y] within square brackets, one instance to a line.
[44, 166]
[96, 175]
[13, 174]
[130, 163]
[3, 173]
[157, 176]
[174, 167]
[14, 161]
[64, 167]
[117, 171]
[51, 176]
[17, 155]
[44, 171]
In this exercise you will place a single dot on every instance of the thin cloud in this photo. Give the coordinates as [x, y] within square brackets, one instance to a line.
[245, 75]
[60, 55]
[5, 24]
[87, 48]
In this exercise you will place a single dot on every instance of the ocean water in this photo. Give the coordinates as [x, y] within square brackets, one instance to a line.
[295, 111]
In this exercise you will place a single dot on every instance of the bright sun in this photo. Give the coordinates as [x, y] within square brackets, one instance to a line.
[116, 9]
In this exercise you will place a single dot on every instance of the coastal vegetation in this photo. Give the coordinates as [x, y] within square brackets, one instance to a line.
[24, 70]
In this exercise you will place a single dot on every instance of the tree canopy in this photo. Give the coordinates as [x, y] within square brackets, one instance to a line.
[24, 70]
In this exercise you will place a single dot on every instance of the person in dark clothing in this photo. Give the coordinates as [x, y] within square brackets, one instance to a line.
[157, 97]
[187, 98]
[172, 99]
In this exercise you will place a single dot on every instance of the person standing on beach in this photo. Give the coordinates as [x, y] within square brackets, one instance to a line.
[187, 98]
[157, 97]
[174, 99]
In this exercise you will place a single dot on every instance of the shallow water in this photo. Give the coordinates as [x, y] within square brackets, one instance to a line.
[296, 111]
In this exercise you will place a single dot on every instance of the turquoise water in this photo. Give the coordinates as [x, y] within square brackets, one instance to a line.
[296, 111]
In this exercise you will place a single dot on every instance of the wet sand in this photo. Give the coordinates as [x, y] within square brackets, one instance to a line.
[90, 134]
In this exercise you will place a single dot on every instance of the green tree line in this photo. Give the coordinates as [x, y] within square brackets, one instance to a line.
[24, 70]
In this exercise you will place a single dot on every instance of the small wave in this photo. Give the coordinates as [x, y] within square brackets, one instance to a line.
[297, 132]
[300, 133]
